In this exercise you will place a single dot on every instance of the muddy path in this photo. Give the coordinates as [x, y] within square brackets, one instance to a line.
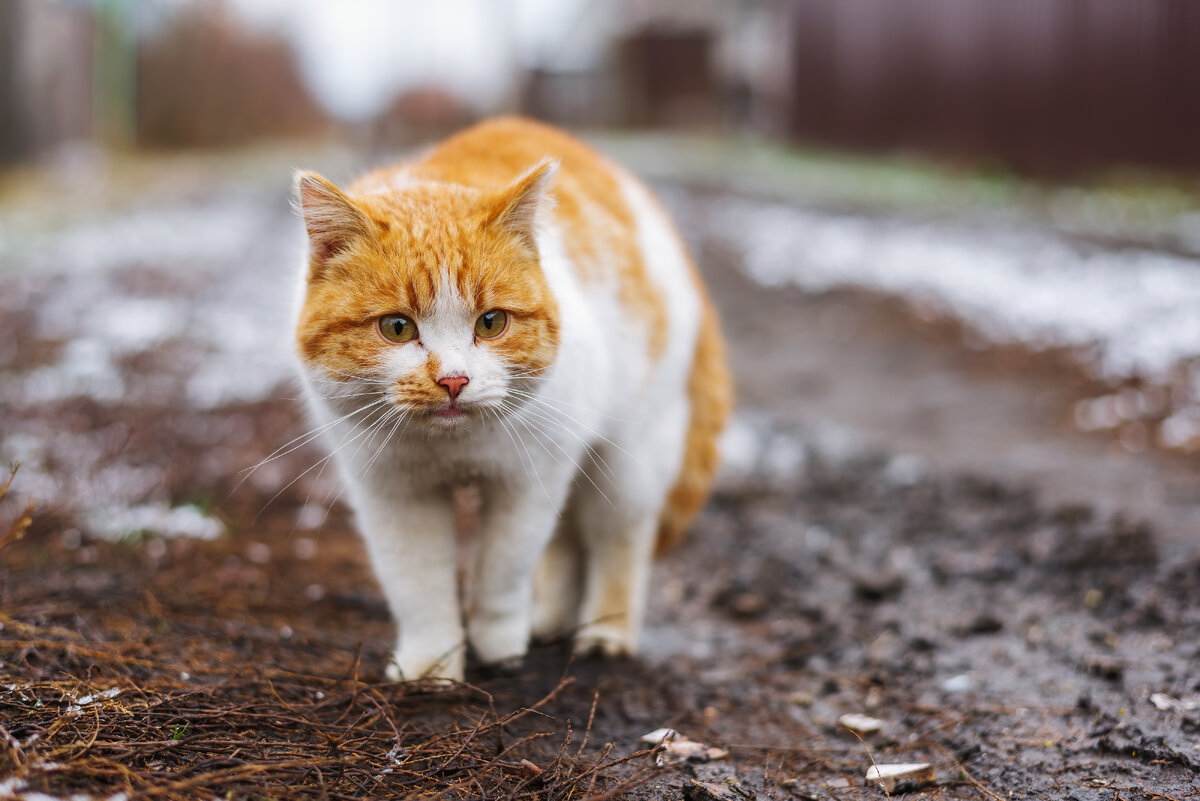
[887, 378]
[908, 529]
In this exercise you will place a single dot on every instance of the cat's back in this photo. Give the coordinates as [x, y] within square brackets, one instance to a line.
[493, 152]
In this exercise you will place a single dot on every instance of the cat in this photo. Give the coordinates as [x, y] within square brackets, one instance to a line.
[514, 311]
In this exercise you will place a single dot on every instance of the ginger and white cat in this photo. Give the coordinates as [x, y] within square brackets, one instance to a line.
[514, 311]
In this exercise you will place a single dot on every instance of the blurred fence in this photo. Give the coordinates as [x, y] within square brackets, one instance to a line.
[206, 82]
[1052, 87]
[1042, 85]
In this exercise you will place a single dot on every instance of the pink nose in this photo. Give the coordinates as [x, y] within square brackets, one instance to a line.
[453, 384]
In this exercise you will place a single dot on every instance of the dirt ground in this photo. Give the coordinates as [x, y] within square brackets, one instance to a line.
[908, 531]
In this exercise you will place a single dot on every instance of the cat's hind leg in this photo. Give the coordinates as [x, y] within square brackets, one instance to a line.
[620, 510]
[557, 582]
[619, 551]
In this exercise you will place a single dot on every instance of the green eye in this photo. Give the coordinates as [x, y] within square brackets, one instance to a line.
[397, 328]
[491, 324]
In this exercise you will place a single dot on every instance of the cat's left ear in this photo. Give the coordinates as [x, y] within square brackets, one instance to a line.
[516, 208]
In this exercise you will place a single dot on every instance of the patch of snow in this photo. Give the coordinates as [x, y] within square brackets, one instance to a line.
[1134, 309]
[228, 264]
[1181, 430]
[394, 757]
[12, 787]
[111, 692]
[116, 522]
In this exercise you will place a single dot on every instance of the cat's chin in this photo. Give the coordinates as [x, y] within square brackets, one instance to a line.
[450, 418]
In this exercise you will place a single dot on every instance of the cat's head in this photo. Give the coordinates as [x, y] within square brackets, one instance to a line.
[426, 297]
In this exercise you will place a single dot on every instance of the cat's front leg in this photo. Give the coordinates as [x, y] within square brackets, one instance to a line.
[412, 545]
[517, 525]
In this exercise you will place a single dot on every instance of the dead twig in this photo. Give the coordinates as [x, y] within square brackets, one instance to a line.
[18, 527]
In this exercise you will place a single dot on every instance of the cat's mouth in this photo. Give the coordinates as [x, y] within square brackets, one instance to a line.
[450, 414]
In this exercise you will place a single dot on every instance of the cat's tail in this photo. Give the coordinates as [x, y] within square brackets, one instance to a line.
[710, 392]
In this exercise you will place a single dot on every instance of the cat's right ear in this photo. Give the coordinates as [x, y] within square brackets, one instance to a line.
[331, 219]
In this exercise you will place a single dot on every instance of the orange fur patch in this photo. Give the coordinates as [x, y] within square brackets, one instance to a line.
[710, 391]
[414, 236]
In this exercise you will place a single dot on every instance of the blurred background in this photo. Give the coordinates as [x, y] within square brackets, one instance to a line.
[981, 217]
[955, 248]
[1053, 88]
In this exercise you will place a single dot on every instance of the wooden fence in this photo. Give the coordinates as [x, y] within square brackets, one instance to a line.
[1049, 86]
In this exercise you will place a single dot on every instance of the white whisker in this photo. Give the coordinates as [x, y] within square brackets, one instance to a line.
[535, 430]
[300, 441]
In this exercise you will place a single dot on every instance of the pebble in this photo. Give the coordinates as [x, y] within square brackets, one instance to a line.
[304, 548]
[730, 790]
[889, 776]
[863, 724]
[658, 736]
[958, 684]
[259, 553]
[677, 748]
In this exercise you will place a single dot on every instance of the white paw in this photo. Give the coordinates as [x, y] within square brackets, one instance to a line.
[411, 667]
[499, 639]
[599, 639]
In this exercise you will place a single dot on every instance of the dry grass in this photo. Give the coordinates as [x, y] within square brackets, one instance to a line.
[133, 686]
[271, 733]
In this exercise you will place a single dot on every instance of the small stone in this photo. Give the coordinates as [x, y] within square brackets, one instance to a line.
[889, 776]
[259, 553]
[658, 736]
[310, 516]
[1162, 701]
[879, 585]
[958, 684]
[1106, 667]
[687, 750]
[748, 605]
[677, 748]
[730, 790]
[304, 548]
[1167, 703]
[984, 624]
[863, 724]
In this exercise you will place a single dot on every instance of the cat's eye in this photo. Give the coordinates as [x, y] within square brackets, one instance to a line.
[491, 324]
[397, 328]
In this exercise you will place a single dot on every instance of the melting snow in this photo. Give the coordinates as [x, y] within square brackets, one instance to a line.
[210, 278]
[115, 522]
[1134, 309]
[1125, 314]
